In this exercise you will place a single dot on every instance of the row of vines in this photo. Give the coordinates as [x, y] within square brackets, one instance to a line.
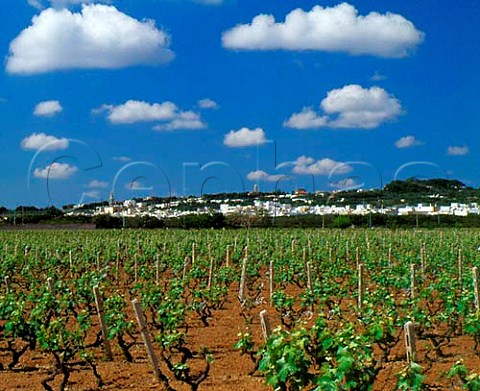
[334, 304]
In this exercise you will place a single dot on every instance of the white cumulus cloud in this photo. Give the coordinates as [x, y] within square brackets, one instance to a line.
[93, 194]
[359, 107]
[56, 171]
[377, 76]
[207, 104]
[137, 184]
[97, 184]
[37, 141]
[331, 29]
[184, 120]
[134, 111]
[122, 159]
[66, 3]
[99, 36]
[306, 119]
[407, 142]
[458, 151]
[209, 2]
[309, 166]
[36, 4]
[346, 184]
[245, 137]
[139, 111]
[48, 108]
[260, 175]
[63, 3]
[351, 106]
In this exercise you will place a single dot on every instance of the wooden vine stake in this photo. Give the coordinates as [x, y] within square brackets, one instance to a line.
[460, 267]
[7, 283]
[270, 282]
[135, 267]
[423, 258]
[390, 259]
[157, 269]
[410, 348]
[412, 281]
[309, 277]
[265, 323]
[243, 277]
[185, 265]
[476, 290]
[142, 326]
[292, 246]
[70, 260]
[227, 256]
[210, 273]
[103, 323]
[51, 285]
[194, 252]
[117, 265]
[357, 256]
[360, 287]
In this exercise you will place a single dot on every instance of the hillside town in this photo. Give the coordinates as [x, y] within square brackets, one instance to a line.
[272, 205]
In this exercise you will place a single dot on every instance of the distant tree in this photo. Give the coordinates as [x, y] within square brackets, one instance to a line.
[217, 220]
[342, 221]
[107, 221]
[413, 185]
[151, 222]
[26, 209]
[52, 212]
[249, 219]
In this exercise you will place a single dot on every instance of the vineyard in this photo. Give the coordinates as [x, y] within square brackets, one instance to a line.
[253, 310]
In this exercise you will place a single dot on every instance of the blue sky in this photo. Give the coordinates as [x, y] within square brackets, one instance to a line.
[159, 97]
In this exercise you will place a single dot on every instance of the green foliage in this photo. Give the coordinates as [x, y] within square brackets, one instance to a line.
[468, 380]
[303, 357]
[411, 378]
[342, 221]
[118, 325]
[285, 362]
[472, 327]
[414, 185]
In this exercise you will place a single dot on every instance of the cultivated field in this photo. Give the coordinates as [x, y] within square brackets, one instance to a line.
[336, 302]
